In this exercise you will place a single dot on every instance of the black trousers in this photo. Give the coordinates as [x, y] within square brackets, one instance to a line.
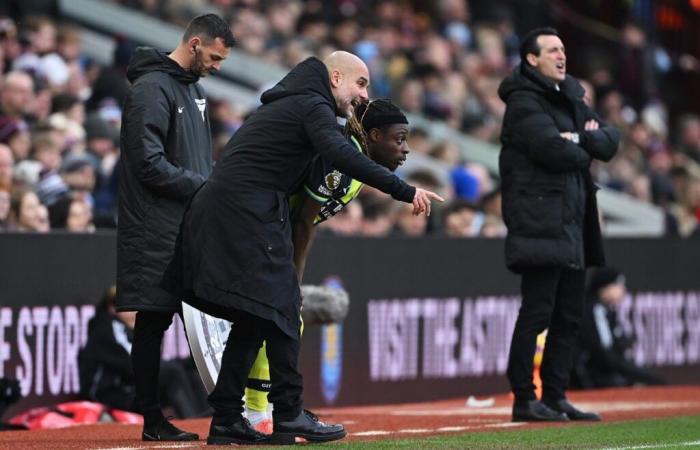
[245, 339]
[154, 379]
[552, 298]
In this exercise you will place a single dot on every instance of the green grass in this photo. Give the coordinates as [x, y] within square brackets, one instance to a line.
[666, 433]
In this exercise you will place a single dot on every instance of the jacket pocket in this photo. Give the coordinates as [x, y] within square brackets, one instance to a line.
[539, 212]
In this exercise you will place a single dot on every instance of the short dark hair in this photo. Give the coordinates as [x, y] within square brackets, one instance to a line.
[209, 27]
[529, 43]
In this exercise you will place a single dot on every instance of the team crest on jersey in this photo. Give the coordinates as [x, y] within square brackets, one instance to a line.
[201, 105]
[333, 180]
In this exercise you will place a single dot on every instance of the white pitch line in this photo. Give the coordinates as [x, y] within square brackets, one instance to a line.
[637, 447]
[189, 444]
[504, 425]
[507, 411]
[448, 429]
[372, 433]
[415, 430]
[456, 412]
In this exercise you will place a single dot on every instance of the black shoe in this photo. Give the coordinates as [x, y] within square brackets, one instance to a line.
[239, 432]
[166, 431]
[536, 411]
[571, 411]
[306, 426]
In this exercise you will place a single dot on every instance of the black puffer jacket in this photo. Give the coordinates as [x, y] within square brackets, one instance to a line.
[165, 157]
[235, 251]
[549, 203]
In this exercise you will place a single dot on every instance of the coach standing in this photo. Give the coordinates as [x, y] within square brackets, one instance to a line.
[235, 258]
[549, 138]
[166, 154]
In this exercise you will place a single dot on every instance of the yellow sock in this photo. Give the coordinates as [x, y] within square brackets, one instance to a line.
[255, 399]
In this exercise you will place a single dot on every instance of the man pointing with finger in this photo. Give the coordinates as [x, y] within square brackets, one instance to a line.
[549, 139]
[234, 258]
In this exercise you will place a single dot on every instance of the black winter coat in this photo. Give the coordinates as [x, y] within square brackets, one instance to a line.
[235, 251]
[165, 157]
[549, 201]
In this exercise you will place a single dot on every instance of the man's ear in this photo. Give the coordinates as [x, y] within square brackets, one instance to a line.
[336, 78]
[373, 135]
[193, 43]
[532, 59]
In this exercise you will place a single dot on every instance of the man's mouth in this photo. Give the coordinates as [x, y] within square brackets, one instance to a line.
[561, 66]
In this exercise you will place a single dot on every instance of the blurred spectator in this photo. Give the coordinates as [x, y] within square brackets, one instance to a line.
[491, 203]
[493, 227]
[637, 72]
[27, 213]
[106, 375]
[4, 207]
[71, 214]
[462, 219]
[100, 142]
[17, 97]
[409, 224]
[689, 136]
[7, 163]
[420, 142]
[79, 174]
[378, 215]
[15, 134]
[603, 343]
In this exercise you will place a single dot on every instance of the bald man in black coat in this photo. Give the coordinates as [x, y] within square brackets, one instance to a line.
[235, 255]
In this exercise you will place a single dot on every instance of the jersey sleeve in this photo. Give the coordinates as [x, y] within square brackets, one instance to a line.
[315, 184]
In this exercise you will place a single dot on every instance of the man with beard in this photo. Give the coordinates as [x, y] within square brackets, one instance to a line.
[166, 156]
[235, 258]
[325, 192]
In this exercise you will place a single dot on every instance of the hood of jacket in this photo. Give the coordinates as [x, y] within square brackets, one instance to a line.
[308, 77]
[525, 77]
[147, 59]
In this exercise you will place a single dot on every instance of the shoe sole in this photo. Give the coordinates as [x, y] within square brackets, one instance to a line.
[215, 440]
[148, 438]
[533, 419]
[290, 438]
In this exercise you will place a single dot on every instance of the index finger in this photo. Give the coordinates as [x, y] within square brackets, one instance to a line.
[433, 195]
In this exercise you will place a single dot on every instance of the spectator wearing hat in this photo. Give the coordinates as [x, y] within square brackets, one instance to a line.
[100, 142]
[603, 342]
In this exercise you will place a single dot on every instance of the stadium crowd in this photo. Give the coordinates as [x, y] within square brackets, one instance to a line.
[60, 112]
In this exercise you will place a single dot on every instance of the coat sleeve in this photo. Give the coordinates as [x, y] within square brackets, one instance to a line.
[601, 143]
[534, 129]
[321, 126]
[147, 121]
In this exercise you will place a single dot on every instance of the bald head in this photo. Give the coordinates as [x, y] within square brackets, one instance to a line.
[17, 94]
[343, 61]
[349, 78]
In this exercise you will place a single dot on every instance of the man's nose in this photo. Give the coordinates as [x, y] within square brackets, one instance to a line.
[364, 95]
